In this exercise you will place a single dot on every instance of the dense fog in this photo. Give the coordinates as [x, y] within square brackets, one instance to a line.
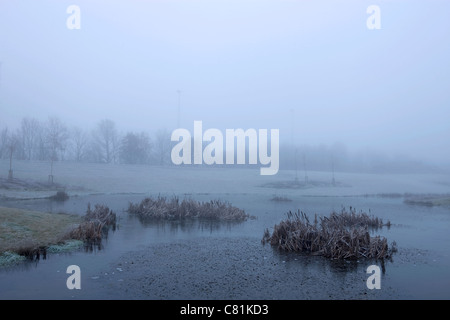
[109, 81]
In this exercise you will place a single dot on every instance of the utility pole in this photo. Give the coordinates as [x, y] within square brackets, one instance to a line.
[333, 181]
[50, 176]
[304, 167]
[292, 144]
[10, 172]
[11, 146]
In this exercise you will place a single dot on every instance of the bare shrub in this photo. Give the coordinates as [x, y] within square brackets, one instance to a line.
[60, 196]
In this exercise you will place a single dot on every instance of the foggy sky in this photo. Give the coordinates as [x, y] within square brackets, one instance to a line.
[309, 65]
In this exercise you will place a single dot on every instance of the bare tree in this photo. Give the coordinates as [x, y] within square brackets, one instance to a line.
[42, 152]
[93, 152]
[80, 141]
[163, 146]
[56, 137]
[135, 148]
[30, 132]
[106, 138]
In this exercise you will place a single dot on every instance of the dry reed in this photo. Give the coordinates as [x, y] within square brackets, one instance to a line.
[95, 224]
[339, 236]
[162, 208]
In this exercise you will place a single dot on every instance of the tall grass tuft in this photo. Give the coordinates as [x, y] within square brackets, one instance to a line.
[339, 236]
[95, 225]
[175, 209]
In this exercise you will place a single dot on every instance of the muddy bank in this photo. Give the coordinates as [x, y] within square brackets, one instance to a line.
[239, 268]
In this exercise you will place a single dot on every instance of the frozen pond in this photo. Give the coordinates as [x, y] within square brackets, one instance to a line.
[418, 270]
[194, 260]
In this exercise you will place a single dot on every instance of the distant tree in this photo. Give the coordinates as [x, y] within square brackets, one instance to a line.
[42, 152]
[56, 137]
[163, 147]
[80, 140]
[106, 138]
[93, 152]
[30, 128]
[135, 148]
[3, 142]
[11, 146]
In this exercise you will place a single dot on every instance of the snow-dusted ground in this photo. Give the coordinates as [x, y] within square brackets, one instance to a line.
[88, 178]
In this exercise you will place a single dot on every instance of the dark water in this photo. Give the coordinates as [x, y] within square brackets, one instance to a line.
[227, 260]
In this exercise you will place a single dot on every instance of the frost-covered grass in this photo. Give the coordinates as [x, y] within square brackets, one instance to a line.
[66, 246]
[25, 231]
[9, 258]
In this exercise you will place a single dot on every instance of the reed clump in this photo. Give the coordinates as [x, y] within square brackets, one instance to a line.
[95, 224]
[162, 208]
[339, 236]
[352, 219]
[280, 199]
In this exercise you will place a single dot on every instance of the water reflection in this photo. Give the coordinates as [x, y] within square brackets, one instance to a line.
[337, 266]
[186, 225]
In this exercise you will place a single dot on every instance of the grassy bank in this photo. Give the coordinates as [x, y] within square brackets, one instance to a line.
[23, 231]
[29, 234]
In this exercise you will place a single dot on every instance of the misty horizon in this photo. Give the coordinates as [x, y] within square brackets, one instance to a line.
[313, 71]
[33, 140]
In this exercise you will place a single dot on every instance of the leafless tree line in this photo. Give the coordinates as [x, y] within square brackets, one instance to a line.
[53, 140]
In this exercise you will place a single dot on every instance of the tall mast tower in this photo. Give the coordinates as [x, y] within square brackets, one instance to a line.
[179, 109]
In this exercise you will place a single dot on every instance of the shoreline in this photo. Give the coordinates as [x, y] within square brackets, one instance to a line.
[87, 178]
